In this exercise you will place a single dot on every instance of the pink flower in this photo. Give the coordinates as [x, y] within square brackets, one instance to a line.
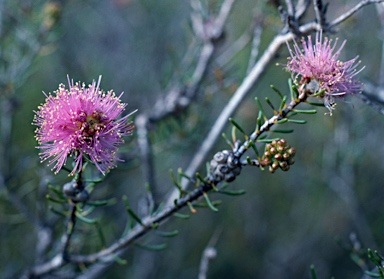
[81, 122]
[320, 70]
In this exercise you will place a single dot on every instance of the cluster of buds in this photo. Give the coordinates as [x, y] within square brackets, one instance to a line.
[278, 154]
[224, 166]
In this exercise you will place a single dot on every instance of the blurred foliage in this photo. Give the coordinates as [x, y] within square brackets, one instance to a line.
[285, 222]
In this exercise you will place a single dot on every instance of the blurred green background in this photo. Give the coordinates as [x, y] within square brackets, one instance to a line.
[286, 221]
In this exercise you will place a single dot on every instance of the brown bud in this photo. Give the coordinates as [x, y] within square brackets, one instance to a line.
[286, 168]
[286, 156]
[275, 165]
[267, 154]
[229, 177]
[265, 162]
[282, 142]
[283, 164]
[280, 148]
[291, 151]
[278, 157]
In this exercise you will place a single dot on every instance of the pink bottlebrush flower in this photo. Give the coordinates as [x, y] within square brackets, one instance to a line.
[320, 70]
[81, 122]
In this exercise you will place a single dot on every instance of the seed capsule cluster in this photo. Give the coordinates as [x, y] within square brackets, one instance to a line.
[74, 192]
[224, 166]
[278, 154]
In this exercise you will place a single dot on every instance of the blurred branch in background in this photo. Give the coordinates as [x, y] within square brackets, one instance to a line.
[209, 254]
[180, 96]
[25, 30]
[252, 77]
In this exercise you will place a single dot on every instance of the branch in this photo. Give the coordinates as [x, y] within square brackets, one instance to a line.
[373, 96]
[246, 86]
[174, 203]
[320, 11]
[179, 96]
[209, 254]
[349, 13]
[149, 223]
[380, 13]
[301, 8]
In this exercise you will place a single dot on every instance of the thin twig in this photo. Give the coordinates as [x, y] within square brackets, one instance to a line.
[209, 254]
[148, 223]
[234, 102]
[174, 203]
[70, 227]
[245, 88]
[301, 8]
[255, 46]
[380, 12]
[373, 96]
[179, 96]
[349, 13]
[233, 49]
[379, 108]
[320, 11]
[290, 8]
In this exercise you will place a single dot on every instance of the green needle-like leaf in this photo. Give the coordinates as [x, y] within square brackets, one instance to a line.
[199, 177]
[258, 125]
[320, 93]
[313, 273]
[101, 203]
[167, 234]
[372, 274]
[291, 91]
[282, 121]
[120, 260]
[282, 104]
[315, 104]
[175, 182]
[267, 140]
[157, 247]
[60, 213]
[56, 190]
[271, 105]
[261, 108]
[277, 91]
[253, 145]
[297, 121]
[287, 131]
[209, 203]
[305, 111]
[234, 123]
[130, 211]
[85, 219]
[233, 192]
[100, 234]
[224, 136]
[56, 200]
[181, 216]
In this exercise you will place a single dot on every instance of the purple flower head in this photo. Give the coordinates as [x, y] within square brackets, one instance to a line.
[81, 122]
[320, 70]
